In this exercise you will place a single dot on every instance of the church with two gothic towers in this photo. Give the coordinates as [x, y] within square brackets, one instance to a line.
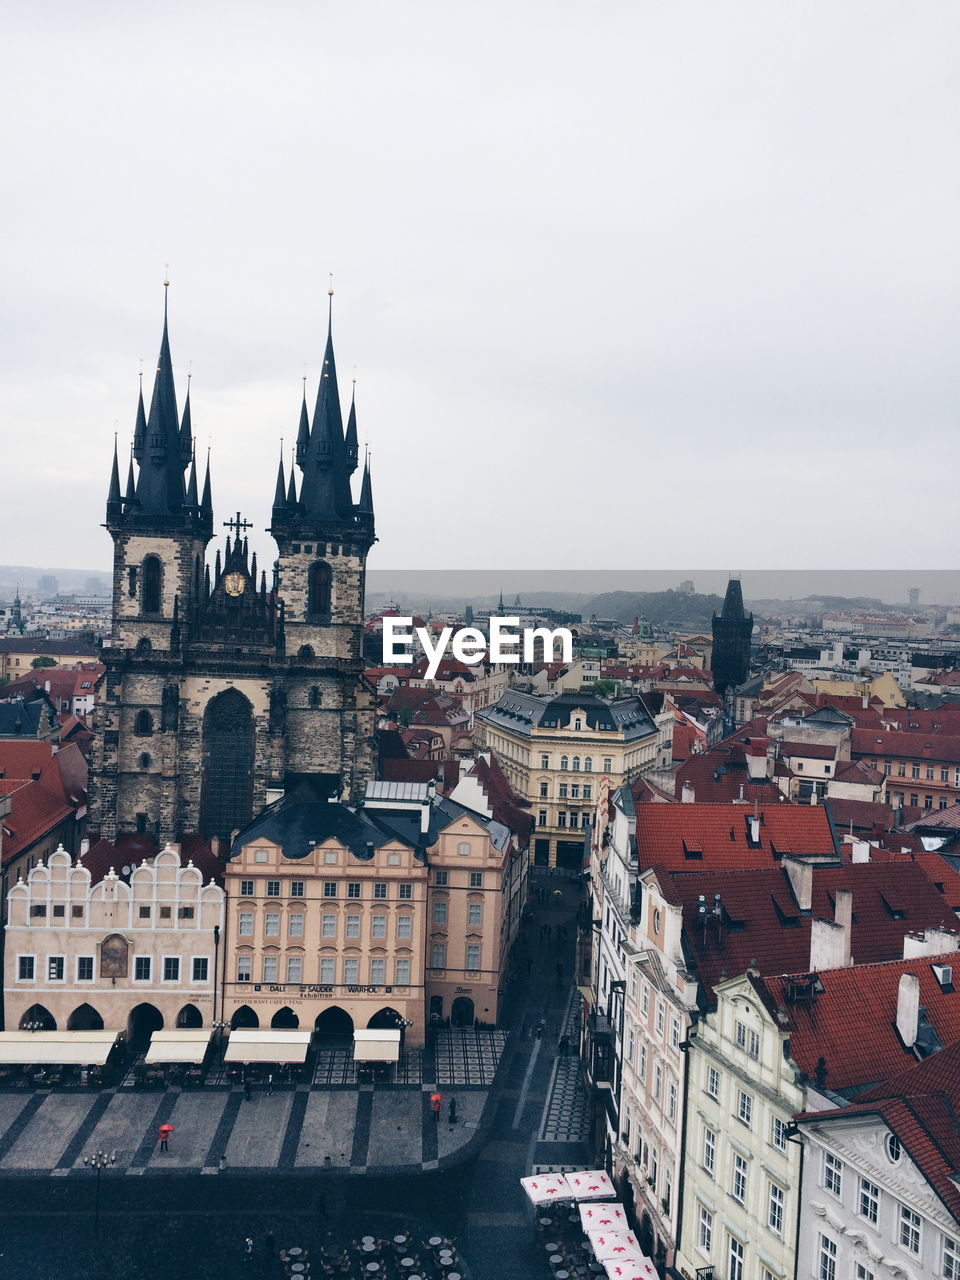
[227, 684]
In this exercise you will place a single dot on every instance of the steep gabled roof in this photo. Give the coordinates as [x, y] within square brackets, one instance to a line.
[694, 837]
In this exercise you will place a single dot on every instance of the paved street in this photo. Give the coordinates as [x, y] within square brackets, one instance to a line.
[190, 1226]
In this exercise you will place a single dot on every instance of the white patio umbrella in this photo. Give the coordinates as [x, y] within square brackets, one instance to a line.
[603, 1217]
[639, 1268]
[544, 1188]
[593, 1184]
[614, 1245]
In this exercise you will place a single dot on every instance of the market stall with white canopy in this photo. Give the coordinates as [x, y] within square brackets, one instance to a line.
[638, 1268]
[592, 1184]
[545, 1188]
[376, 1046]
[614, 1245]
[249, 1046]
[603, 1217]
[178, 1046]
[56, 1048]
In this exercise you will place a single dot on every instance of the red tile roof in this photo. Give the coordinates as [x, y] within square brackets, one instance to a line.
[410, 770]
[857, 772]
[906, 744]
[696, 837]
[851, 1023]
[808, 750]
[21, 758]
[36, 808]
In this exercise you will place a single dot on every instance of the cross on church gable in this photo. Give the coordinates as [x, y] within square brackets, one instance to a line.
[237, 525]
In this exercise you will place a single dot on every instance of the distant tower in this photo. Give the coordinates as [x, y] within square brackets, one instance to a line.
[913, 597]
[732, 629]
[468, 615]
[16, 623]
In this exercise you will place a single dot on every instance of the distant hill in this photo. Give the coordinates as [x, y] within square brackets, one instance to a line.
[683, 611]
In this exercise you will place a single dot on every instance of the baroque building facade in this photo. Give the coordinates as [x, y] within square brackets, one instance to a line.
[223, 682]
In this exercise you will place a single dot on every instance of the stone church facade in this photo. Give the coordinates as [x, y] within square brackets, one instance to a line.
[225, 685]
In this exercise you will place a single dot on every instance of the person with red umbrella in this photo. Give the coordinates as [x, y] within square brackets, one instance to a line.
[435, 1100]
[164, 1133]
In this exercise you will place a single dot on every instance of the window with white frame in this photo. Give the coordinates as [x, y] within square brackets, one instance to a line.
[832, 1174]
[84, 968]
[675, 1033]
[26, 968]
[713, 1083]
[380, 889]
[353, 888]
[660, 1018]
[351, 970]
[271, 968]
[909, 1230]
[778, 1133]
[951, 1259]
[245, 925]
[378, 927]
[294, 968]
[405, 891]
[328, 926]
[744, 1107]
[402, 971]
[657, 1080]
[735, 1252]
[296, 888]
[404, 926]
[868, 1200]
[440, 912]
[327, 970]
[142, 968]
[244, 966]
[55, 968]
[631, 1044]
[475, 914]
[865, 1273]
[273, 888]
[353, 927]
[738, 1185]
[644, 999]
[775, 1199]
[246, 888]
[378, 971]
[200, 969]
[438, 955]
[672, 1102]
[827, 1259]
[709, 1150]
[642, 1072]
[705, 1230]
[473, 957]
[295, 925]
[171, 968]
[329, 888]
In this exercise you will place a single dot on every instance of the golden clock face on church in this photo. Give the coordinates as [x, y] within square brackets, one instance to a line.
[234, 584]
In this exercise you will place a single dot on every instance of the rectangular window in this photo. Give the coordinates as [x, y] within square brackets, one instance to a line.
[541, 822]
[296, 888]
[544, 790]
[951, 1259]
[328, 926]
[26, 967]
[868, 1205]
[438, 955]
[329, 888]
[660, 1017]
[329, 857]
[657, 1080]
[778, 1133]
[76, 913]
[575, 791]
[473, 957]
[244, 968]
[944, 775]
[475, 914]
[713, 1082]
[353, 926]
[561, 819]
[914, 771]
[142, 968]
[864, 1273]
[171, 968]
[260, 855]
[672, 1102]
[55, 969]
[744, 1107]
[544, 762]
[827, 1268]
[271, 968]
[353, 889]
[775, 1208]
[327, 970]
[273, 888]
[271, 924]
[351, 970]
[562, 790]
[440, 913]
[644, 999]
[378, 971]
[143, 913]
[734, 1259]
[675, 1033]
[405, 927]
[832, 1174]
[440, 876]
[909, 1233]
[738, 1187]
[705, 1231]
[608, 764]
[201, 968]
[476, 879]
[587, 791]
[295, 925]
[184, 913]
[643, 1063]
[402, 971]
[405, 891]
[928, 774]
[709, 1150]
[294, 968]
[39, 910]
[380, 889]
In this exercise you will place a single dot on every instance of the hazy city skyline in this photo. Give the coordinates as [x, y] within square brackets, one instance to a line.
[617, 289]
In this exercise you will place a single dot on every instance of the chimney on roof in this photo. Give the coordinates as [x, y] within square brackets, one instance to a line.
[758, 761]
[687, 795]
[908, 1009]
[859, 850]
[754, 828]
[829, 945]
[84, 845]
[931, 942]
[865, 700]
[944, 975]
[801, 880]
[215, 846]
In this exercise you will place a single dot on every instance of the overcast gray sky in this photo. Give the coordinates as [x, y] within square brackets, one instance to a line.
[626, 284]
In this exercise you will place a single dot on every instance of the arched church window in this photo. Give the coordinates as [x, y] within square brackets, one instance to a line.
[143, 726]
[314, 696]
[305, 653]
[144, 644]
[152, 584]
[227, 764]
[144, 761]
[318, 604]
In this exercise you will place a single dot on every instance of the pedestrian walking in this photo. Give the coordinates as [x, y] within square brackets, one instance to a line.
[558, 969]
[248, 1249]
[563, 1044]
[453, 1111]
[164, 1133]
[435, 1104]
[539, 1030]
[246, 1090]
[269, 1084]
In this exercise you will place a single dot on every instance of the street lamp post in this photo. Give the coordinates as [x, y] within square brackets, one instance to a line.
[99, 1161]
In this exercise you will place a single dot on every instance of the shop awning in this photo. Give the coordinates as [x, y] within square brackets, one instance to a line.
[376, 1046]
[57, 1048]
[178, 1046]
[267, 1046]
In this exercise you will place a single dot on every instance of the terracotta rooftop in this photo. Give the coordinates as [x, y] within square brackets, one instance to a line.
[718, 837]
[896, 743]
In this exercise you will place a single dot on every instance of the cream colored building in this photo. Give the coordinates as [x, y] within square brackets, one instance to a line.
[554, 750]
[132, 954]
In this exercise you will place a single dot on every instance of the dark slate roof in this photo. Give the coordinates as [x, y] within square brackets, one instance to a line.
[297, 826]
[522, 712]
[19, 718]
